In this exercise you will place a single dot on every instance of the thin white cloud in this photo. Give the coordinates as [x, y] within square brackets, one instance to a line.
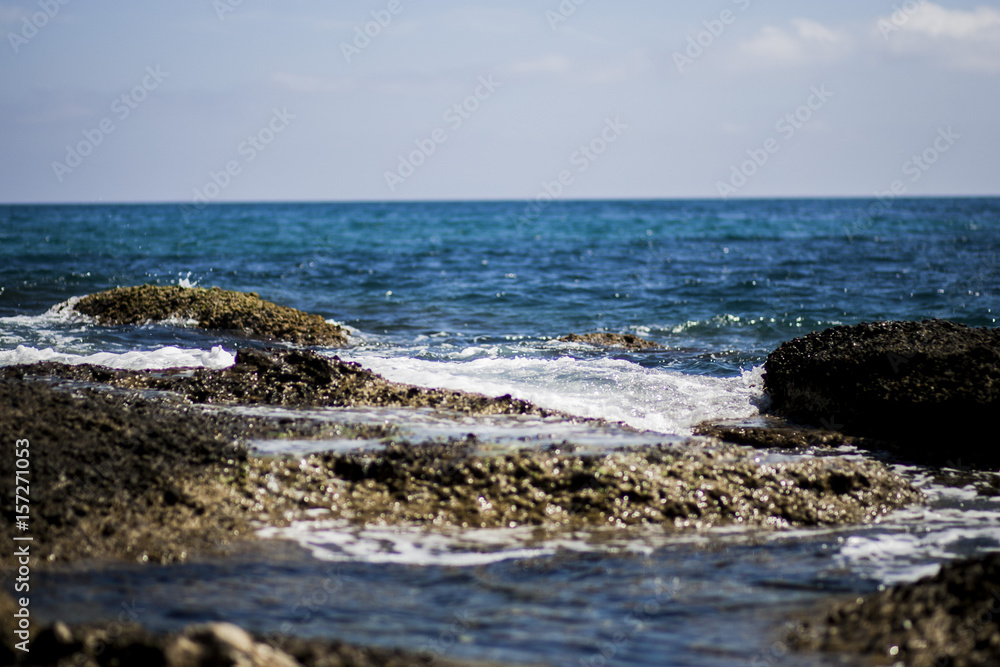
[954, 38]
[936, 21]
[804, 41]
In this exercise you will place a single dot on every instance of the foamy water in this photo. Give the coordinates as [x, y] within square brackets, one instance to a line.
[158, 359]
[616, 390]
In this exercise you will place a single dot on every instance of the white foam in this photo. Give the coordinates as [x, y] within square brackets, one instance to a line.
[912, 542]
[337, 540]
[613, 389]
[161, 358]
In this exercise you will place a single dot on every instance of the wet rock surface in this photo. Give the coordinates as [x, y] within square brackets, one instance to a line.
[456, 485]
[286, 378]
[221, 310]
[626, 341]
[114, 475]
[766, 432]
[929, 390]
[952, 618]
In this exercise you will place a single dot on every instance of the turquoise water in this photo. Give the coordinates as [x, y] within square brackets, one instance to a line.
[471, 296]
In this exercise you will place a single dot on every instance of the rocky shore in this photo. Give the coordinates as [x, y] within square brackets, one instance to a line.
[922, 391]
[145, 466]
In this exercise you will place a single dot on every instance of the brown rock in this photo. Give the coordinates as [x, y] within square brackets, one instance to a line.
[216, 309]
[626, 341]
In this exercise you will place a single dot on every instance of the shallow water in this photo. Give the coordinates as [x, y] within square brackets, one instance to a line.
[470, 296]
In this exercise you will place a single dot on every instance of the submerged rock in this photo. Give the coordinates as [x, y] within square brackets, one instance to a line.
[457, 485]
[626, 341]
[930, 390]
[216, 309]
[951, 618]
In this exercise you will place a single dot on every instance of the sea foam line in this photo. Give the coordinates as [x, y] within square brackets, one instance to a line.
[158, 359]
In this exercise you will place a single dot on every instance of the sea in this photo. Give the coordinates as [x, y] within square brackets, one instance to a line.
[474, 296]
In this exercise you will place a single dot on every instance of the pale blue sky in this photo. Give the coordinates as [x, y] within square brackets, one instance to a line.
[883, 89]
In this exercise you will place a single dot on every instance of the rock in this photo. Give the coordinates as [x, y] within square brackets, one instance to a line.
[223, 644]
[769, 431]
[952, 618]
[626, 341]
[928, 390]
[209, 645]
[458, 485]
[120, 475]
[287, 377]
[215, 309]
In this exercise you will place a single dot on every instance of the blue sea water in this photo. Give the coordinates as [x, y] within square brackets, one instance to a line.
[471, 295]
[730, 277]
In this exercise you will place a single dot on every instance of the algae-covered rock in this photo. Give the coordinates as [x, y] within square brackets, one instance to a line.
[115, 474]
[215, 309]
[626, 341]
[287, 377]
[951, 618]
[931, 389]
[769, 431]
[454, 485]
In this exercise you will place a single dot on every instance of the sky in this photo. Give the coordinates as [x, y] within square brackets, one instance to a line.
[248, 100]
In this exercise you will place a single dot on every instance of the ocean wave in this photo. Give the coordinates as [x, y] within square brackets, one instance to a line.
[616, 390]
[158, 359]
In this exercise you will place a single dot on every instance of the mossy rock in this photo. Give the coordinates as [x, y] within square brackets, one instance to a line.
[214, 309]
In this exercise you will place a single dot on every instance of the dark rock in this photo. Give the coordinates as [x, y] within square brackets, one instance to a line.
[216, 309]
[930, 390]
[626, 341]
[287, 377]
[768, 431]
[120, 475]
[952, 618]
